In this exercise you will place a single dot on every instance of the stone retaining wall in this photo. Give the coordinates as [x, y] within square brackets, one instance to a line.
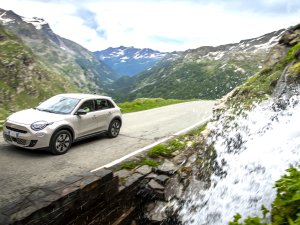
[92, 198]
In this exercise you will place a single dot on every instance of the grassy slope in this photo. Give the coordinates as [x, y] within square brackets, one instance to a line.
[24, 79]
[260, 86]
[147, 103]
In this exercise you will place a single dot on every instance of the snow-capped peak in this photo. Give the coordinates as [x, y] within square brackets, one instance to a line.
[37, 22]
[5, 20]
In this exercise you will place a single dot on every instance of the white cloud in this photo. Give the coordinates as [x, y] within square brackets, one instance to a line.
[163, 25]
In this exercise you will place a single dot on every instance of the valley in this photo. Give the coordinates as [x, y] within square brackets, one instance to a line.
[124, 73]
[238, 105]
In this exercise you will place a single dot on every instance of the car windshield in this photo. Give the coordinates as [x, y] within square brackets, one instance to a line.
[58, 104]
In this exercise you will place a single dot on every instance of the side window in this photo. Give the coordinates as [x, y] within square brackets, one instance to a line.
[88, 106]
[102, 104]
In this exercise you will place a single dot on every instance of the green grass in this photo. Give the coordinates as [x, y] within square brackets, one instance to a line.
[166, 150]
[133, 164]
[197, 131]
[285, 208]
[147, 103]
[1, 124]
[163, 150]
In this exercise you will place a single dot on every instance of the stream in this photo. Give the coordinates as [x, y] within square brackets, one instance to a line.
[254, 150]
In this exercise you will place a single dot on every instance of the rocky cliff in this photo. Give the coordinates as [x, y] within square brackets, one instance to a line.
[64, 56]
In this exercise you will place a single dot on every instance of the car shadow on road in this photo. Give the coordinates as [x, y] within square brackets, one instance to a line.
[14, 150]
[89, 140]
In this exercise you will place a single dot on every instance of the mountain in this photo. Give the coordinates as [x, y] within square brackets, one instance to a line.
[206, 72]
[24, 79]
[129, 61]
[64, 56]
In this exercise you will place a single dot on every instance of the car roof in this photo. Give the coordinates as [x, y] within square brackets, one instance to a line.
[83, 96]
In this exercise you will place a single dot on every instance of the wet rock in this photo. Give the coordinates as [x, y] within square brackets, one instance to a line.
[162, 179]
[4, 219]
[132, 179]
[153, 190]
[155, 212]
[179, 191]
[151, 176]
[144, 170]
[167, 168]
[191, 160]
[171, 188]
[180, 159]
[155, 185]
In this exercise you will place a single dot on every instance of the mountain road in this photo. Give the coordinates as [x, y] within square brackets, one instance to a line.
[22, 170]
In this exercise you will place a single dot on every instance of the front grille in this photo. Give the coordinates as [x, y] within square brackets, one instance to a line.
[17, 140]
[7, 137]
[16, 130]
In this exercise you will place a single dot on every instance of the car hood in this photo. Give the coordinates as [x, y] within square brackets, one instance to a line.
[30, 116]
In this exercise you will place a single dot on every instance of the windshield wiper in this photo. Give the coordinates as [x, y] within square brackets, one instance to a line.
[47, 110]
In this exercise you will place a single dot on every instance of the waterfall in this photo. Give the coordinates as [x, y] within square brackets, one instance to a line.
[254, 150]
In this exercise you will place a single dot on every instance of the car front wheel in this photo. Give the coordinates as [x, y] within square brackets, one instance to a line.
[114, 128]
[61, 142]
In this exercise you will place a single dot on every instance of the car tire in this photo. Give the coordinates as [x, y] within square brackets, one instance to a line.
[114, 128]
[60, 142]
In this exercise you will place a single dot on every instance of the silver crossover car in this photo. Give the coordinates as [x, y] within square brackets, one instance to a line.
[61, 120]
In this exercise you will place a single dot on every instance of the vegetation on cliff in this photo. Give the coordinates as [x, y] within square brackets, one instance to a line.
[286, 206]
[24, 79]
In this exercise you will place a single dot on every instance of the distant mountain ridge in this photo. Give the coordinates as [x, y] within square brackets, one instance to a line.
[64, 56]
[129, 61]
[206, 72]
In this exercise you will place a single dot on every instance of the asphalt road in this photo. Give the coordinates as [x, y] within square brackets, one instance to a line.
[21, 170]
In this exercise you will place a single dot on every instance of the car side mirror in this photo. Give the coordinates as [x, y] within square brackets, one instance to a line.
[80, 112]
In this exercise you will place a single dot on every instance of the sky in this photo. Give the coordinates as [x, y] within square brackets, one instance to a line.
[164, 25]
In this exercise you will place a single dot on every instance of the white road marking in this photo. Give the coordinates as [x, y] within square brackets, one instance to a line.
[117, 161]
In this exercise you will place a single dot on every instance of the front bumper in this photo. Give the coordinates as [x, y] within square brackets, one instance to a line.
[23, 136]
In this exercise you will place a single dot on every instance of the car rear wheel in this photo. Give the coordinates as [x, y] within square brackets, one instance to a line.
[114, 128]
[61, 142]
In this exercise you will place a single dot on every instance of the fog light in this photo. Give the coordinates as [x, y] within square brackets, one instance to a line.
[40, 134]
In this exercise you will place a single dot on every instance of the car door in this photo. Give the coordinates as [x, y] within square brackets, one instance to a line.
[104, 113]
[88, 123]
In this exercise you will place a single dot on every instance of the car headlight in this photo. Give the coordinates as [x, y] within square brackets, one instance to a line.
[39, 125]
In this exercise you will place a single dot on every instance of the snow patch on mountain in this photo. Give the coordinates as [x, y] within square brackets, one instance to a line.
[36, 22]
[5, 20]
[129, 61]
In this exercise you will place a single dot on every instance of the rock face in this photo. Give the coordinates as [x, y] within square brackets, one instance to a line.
[291, 37]
[25, 79]
[64, 56]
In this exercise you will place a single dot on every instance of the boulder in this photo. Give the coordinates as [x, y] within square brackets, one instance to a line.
[167, 168]
[144, 170]
[162, 179]
[155, 185]
[172, 188]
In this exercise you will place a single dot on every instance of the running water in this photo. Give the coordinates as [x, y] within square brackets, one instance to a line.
[257, 149]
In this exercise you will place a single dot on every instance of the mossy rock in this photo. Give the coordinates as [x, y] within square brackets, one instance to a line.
[294, 71]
